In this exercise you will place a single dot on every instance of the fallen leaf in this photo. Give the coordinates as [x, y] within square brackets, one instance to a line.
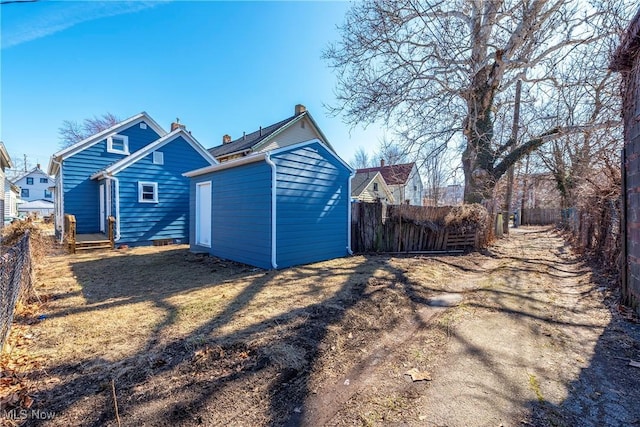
[417, 375]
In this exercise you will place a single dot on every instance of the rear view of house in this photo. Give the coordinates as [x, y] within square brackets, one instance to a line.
[273, 209]
[131, 172]
[403, 180]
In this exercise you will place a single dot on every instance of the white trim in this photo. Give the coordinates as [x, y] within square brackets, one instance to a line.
[125, 144]
[143, 125]
[256, 157]
[116, 190]
[94, 139]
[274, 200]
[312, 141]
[252, 158]
[59, 201]
[134, 157]
[141, 185]
[102, 208]
[198, 219]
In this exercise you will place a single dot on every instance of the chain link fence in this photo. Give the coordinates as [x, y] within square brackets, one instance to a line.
[16, 281]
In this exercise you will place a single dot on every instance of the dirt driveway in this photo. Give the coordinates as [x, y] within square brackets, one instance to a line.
[180, 339]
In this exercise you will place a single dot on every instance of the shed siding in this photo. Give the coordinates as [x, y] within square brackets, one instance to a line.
[80, 192]
[141, 223]
[241, 214]
[293, 135]
[312, 206]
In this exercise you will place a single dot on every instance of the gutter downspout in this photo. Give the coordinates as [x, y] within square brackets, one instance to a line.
[349, 251]
[60, 199]
[274, 190]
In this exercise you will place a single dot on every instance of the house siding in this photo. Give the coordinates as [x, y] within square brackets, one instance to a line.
[81, 196]
[241, 214]
[312, 206]
[37, 189]
[141, 223]
[292, 135]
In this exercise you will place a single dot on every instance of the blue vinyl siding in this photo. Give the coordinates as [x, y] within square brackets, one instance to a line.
[241, 214]
[80, 192]
[312, 206]
[141, 223]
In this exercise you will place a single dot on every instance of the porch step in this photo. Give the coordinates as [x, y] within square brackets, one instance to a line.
[86, 248]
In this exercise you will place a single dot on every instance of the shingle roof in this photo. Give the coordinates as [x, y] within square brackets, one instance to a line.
[392, 174]
[360, 182]
[249, 140]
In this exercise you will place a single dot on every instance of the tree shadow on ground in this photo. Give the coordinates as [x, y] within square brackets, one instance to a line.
[201, 378]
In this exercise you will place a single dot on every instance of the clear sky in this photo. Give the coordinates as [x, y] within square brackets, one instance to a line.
[221, 67]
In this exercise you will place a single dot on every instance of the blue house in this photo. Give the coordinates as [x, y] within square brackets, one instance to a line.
[132, 172]
[273, 209]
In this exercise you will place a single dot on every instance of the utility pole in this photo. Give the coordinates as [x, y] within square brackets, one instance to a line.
[514, 139]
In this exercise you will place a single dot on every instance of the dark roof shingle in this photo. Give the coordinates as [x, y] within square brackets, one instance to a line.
[392, 174]
[249, 140]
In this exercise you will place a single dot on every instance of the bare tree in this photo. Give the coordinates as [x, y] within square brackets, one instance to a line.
[437, 71]
[391, 152]
[72, 131]
[360, 159]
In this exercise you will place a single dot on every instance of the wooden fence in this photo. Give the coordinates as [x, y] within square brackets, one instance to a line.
[407, 229]
[541, 216]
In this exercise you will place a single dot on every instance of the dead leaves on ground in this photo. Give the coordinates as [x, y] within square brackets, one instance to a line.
[16, 363]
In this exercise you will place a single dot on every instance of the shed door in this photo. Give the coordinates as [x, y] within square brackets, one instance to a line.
[203, 214]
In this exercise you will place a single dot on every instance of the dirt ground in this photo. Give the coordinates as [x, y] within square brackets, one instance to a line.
[159, 336]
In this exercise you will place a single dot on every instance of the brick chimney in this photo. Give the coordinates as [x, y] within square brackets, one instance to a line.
[226, 139]
[381, 163]
[299, 109]
[177, 125]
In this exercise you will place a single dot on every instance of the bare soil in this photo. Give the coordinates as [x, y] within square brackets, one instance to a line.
[181, 339]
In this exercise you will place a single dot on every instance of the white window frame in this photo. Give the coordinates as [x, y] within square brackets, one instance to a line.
[158, 158]
[141, 185]
[125, 144]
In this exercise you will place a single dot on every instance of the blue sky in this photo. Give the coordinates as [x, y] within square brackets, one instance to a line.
[221, 67]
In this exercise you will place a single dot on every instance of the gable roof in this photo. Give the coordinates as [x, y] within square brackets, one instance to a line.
[94, 139]
[629, 46]
[249, 142]
[393, 174]
[25, 174]
[122, 164]
[362, 180]
[5, 160]
[257, 157]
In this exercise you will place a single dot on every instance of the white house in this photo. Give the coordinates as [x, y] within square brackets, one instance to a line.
[35, 185]
[11, 199]
[403, 180]
[370, 187]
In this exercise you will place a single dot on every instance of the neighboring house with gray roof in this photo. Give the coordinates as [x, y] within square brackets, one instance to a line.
[300, 127]
[370, 187]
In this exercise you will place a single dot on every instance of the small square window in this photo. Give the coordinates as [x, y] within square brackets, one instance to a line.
[158, 158]
[118, 144]
[24, 192]
[143, 125]
[47, 194]
[44, 180]
[147, 192]
[375, 186]
[29, 181]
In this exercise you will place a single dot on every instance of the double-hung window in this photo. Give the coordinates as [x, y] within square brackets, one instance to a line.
[147, 192]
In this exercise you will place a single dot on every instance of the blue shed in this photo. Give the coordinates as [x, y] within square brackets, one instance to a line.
[273, 209]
